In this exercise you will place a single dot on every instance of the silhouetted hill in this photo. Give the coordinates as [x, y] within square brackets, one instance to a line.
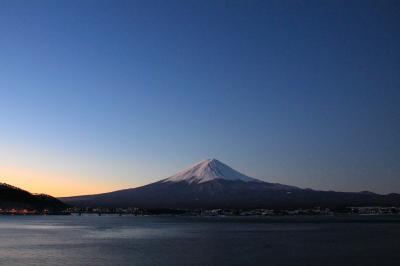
[13, 197]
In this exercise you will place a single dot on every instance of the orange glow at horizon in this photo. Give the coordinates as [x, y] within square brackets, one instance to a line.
[55, 184]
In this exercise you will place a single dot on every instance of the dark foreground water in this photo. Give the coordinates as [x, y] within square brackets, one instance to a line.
[128, 240]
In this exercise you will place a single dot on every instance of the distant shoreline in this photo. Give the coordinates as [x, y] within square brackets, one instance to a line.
[334, 217]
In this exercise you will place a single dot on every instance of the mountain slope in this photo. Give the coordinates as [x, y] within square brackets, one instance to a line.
[13, 197]
[212, 184]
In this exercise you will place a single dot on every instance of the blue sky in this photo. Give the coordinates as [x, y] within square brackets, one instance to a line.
[101, 95]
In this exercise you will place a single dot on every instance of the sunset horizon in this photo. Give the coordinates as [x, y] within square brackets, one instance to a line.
[60, 186]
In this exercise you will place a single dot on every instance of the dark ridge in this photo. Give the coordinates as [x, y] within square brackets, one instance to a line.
[12, 197]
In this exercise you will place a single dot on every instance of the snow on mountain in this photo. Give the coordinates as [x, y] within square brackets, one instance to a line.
[208, 170]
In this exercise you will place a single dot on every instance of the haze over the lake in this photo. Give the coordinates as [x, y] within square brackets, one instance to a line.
[103, 95]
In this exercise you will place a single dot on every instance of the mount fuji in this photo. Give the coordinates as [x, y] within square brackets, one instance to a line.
[214, 170]
[213, 184]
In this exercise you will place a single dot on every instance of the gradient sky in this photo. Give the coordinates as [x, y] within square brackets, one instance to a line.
[101, 95]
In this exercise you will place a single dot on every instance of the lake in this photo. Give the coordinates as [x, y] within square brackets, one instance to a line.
[159, 240]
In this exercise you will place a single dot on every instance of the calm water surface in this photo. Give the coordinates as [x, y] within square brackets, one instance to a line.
[129, 240]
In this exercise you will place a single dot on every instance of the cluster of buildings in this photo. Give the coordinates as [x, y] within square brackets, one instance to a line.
[14, 211]
[374, 210]
[262, 212]
[105, 210]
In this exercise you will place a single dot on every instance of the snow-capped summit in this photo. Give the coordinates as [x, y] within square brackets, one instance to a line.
[208, 170]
